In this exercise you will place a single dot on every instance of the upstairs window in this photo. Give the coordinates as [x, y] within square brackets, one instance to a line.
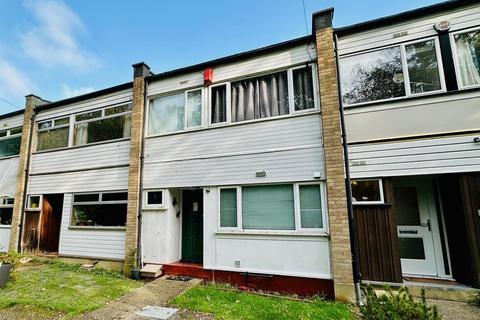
[99, 210]
[10, 141]
[467, 52]
[218, 103]
[53, 134]
[175, 112]
[6, 211]
[103, 125]
[394, 72]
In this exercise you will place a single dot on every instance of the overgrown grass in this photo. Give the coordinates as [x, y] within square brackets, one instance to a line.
[232, 304]
[64, 288]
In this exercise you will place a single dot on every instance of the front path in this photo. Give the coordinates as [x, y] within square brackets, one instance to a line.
[155, 293]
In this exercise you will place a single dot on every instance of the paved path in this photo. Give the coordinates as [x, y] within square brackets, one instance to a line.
[156, 293]
[455, 310]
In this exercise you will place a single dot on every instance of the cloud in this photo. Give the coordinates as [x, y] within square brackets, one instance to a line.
[53, 41]
[72, 92]
[14, 85]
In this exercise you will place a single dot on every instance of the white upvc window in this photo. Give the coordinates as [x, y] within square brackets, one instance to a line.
[34, 202]
[275, 208]
[154, 199]
[53, 134]
[466, 56]
[175, 112]
[102, 210]
[403, 70]
[10, 140]
[367, 191]
[6, 211]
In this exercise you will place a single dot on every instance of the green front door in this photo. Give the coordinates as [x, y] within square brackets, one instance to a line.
[192, 226]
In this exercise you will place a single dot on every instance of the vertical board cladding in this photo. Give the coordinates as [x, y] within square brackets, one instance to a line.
[377, 241]
[292, 255]
[90, 243]
[288, 149]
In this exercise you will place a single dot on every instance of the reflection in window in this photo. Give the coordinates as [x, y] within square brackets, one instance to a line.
[366, 191]
[194, 108]
[310, 206]
[228, 208]
[372, 76]
[303, 89]
[102, 130]
[261, 97]
[468, 57]
[166, 114]
[100, 210]
[53, 134]
[422, 67]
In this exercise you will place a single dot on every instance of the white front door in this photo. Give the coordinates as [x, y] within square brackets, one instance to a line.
[417, 226]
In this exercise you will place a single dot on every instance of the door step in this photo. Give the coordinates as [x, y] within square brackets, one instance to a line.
[151, 270]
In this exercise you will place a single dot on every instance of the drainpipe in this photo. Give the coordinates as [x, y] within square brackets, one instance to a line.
[25, 184]
[357, 277]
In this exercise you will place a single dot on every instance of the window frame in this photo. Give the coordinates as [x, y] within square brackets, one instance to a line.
[28, 202]
[455, 56]
[382, 192]
[299, 230]
[291, 89]
[3, 204]
[9, 135]
[228, 104]
[147, 206]
[406, 75]
[99, 202]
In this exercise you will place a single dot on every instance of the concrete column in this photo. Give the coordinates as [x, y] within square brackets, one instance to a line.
[23, 166]
[341, 256]
[140, 71]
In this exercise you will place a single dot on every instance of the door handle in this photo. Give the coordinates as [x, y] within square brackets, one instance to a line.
[426, 225]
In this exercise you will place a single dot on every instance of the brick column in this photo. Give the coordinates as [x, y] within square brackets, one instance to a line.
[341, 256]
[140, 71]
[23, 165]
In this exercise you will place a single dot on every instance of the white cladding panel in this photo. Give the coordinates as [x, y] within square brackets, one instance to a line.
[80, 158]
[288, 149]
[11, 122]
[415, 157]
[161, 232]
[260, 63]
[81, 181]
[292, 255]
[8, 176]
[107, 244]
[440, 114]
[94, 103]
[4, 238]
[417, 28]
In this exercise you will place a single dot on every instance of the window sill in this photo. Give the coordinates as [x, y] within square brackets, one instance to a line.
[97, 228]
[232, 124]
[9, 157]
[5, 226]
[273, 233]
[82, 146]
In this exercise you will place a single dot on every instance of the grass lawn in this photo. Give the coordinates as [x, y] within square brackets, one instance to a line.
[233, 304]
[57, 288]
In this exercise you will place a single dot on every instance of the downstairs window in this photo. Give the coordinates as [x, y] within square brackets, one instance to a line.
[6, 211]
[107, 209]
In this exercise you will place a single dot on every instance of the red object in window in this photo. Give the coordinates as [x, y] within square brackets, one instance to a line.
[208, 76]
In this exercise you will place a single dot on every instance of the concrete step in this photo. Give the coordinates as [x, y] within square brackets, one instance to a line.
[151, 270]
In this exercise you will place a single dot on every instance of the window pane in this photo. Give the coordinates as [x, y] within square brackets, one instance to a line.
[366, 190]
[166, 114]
[303, 89]
[51, 139]
[103, 130]
[261, 97]
[17, 130]
[268, 207]
[45, 125]
[6, 216]
[468, 55]
[115, 196]
[86, 197]
[228, 208]
[105, 215]
[62, 121]
[372, 76]
[406, 206]
[33, 202]
[9, 201]
[89, 115]
[311, 206]
[194, 108]
[422, 67]
[3, 133]
[10, 146]
[118, 109]
[219, 104]
[411, 248]
[154, 197]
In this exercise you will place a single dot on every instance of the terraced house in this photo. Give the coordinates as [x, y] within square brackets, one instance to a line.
[234, 169]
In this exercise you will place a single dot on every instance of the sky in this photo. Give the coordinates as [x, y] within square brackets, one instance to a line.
[62, 48]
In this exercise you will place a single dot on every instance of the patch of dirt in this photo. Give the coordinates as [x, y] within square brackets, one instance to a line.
[454, 310]
[28, 313]
[185, 314]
